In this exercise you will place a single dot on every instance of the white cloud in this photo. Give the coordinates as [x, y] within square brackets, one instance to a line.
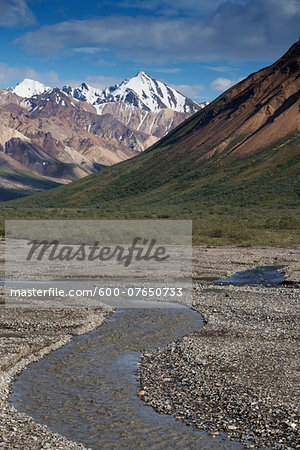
[88, 50]
[102, 82]
[222, 84]
[14, 13]
[167, 70]
[9, 76]
[104, 62]
[253, 29]
[170, 7]
[188, 90]
[220, 69]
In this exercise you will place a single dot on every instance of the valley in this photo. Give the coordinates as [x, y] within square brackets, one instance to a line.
[149, 286]
[66, 134]
[233, 167]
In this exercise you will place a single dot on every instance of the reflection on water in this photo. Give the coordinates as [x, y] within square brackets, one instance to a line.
[87, 389]
[261, 276]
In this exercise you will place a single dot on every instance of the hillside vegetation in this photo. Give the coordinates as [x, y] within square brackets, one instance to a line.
[233, 167]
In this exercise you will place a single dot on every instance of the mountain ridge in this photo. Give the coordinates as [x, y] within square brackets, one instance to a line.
[141, 91]
[43, 127]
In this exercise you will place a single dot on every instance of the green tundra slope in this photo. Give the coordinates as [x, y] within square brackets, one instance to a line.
[238, 157]
[16, 181]
[245, 143]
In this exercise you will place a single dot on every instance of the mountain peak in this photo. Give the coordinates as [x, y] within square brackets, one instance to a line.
[141, 91]
[141, 73]
[84, 92]
[290, 60]
[85, 86]
[28, 87]
[153, 95]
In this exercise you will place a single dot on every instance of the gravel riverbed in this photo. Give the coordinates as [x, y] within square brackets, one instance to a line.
[240, 372]
[236, 374]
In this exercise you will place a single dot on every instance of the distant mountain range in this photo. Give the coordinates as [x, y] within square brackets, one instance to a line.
[243, 148]
[68, 133]
[141, 91]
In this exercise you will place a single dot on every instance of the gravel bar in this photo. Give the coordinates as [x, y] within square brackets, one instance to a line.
[239, 373]
[27, 336]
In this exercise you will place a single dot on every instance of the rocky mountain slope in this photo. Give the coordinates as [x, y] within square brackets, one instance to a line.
[17, 181]
[53, 126]
[67, 134]
[142, 103]
[243, 148]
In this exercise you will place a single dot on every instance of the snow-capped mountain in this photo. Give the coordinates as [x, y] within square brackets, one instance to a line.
[85, 93]
[141, 91]
[86, 127]
[71, 132]
[27, 88]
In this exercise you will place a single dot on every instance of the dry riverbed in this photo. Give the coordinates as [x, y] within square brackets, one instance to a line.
[240, 372]
[237, 374]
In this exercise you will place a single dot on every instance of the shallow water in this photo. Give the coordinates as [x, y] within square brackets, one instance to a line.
[87, 389]
[260, 276]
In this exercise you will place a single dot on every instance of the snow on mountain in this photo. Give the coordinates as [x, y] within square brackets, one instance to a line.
[28, 88]
[84, 92]
[147, 93]
[141, 91]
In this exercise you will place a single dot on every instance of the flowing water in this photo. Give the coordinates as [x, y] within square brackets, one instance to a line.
[87, 389]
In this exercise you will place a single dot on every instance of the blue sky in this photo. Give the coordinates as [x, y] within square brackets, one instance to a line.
[199, 47]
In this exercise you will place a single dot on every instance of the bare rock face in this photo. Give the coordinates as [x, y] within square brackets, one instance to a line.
[50, 130]
[32, 157]
[156, 124]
